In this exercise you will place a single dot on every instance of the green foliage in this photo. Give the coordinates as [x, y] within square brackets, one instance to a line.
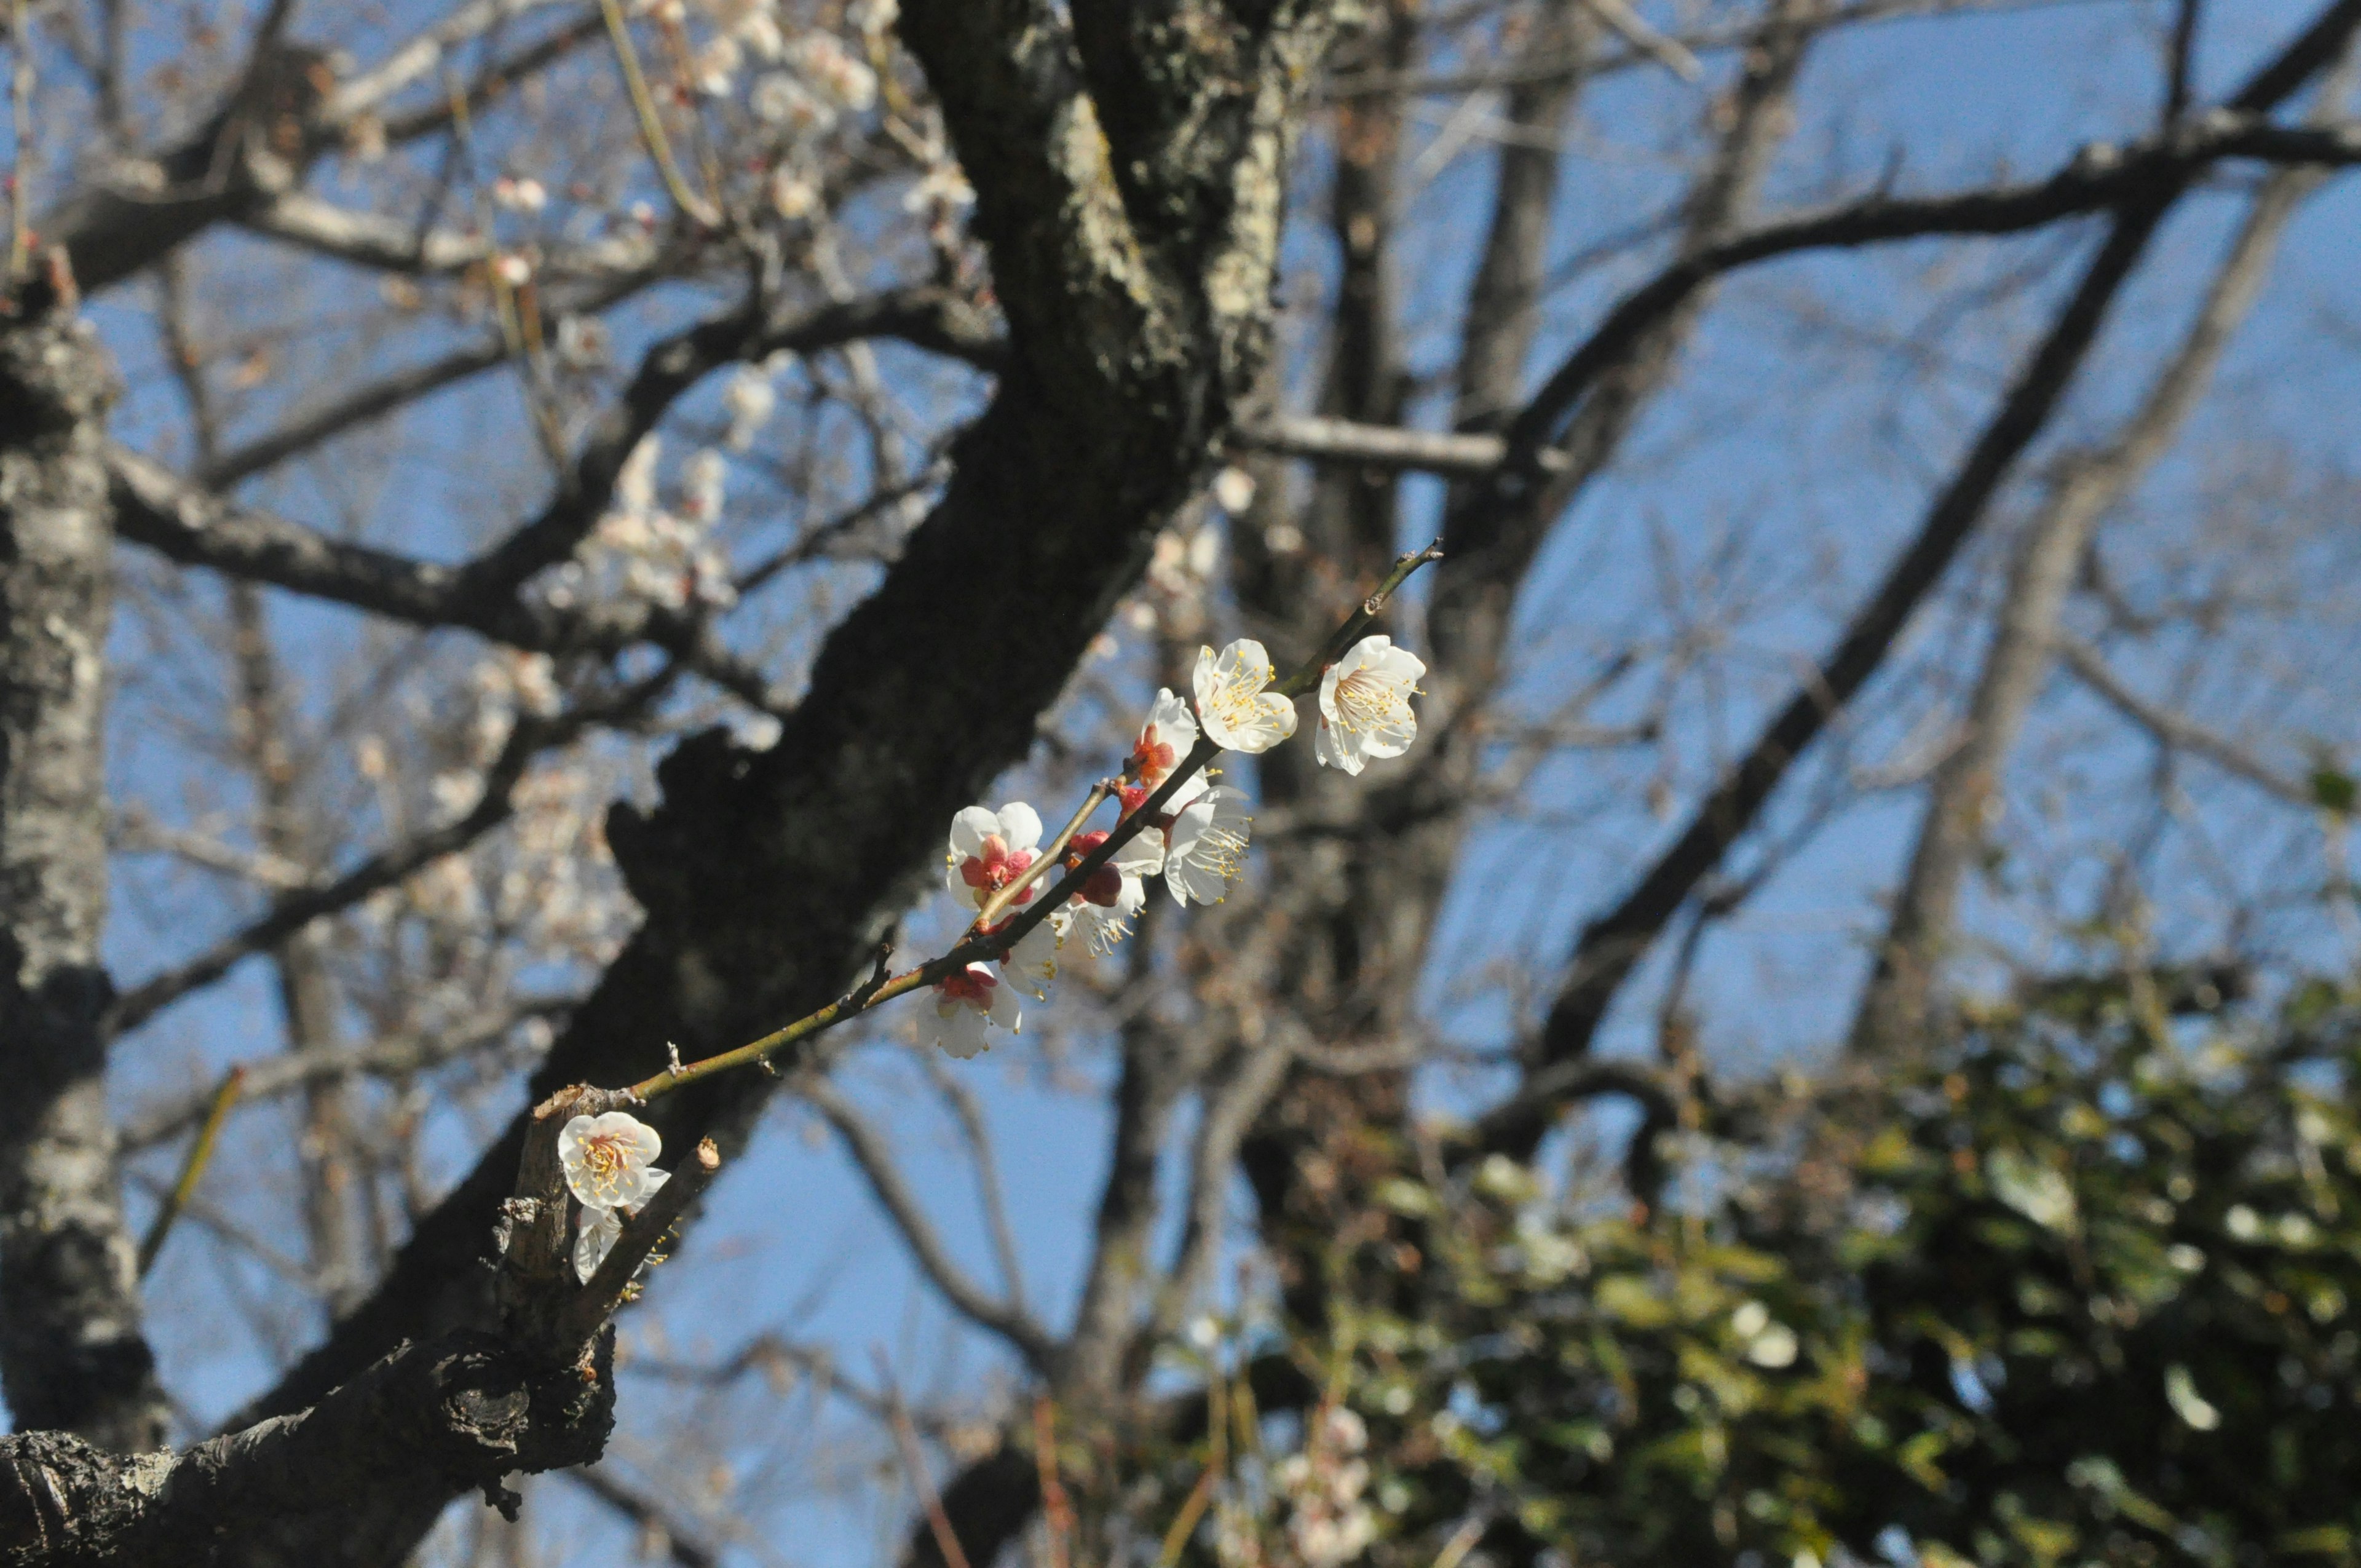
[2074, 1294]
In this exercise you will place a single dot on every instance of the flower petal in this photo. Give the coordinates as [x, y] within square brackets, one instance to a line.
[1020, 825]
[971, 827]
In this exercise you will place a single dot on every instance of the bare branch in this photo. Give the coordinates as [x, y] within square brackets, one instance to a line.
[655, 1519]
[1898, 1004]
[387, 867]
[867, 1145]
[2177, 731]
[389, 245]
[1453, 454]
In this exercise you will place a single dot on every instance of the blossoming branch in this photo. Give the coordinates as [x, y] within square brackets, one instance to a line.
[1174, 823]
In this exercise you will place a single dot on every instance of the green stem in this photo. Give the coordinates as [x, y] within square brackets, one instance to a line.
[192, 1167]
[652, 129]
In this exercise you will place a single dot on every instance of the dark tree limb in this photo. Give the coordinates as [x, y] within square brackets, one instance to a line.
[1899, 1004]
[1611, 945]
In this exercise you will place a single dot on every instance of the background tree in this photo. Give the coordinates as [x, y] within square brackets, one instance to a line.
[595, 487]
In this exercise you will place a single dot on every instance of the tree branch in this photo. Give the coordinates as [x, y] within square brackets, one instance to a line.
[867, 1146]
[2177, 731]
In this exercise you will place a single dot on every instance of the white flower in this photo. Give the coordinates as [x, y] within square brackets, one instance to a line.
[1773, 1348]
[1205, 846]
[2032, 1189]
[1163, 741]
[779, 99]
[513, 269]
[595, 1232]
[942, 185]
[759, 31]
[1103, 910]
[1231, 703]
[967, 1004]
[992, 848]
[704, 478]
[749, 400]
[519, 195]
[1233, 490]
[1365, 705]
[635, 481]
[792, 194]
[1032, 963]
[716, 66]
[606, 1159]
[583, 344]
[831, 65]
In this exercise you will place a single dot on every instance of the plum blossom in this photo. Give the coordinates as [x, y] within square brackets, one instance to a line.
[1205, 844]
[595, 1232]
[1032, 963]
[1233, 490]
[750, 22]
[778, 99]
[748, 400]
[989, 849]
[519, 195]
[1329, 1523]
[635, 481]
[839, 74]
[714, 68]
[608, 1160]
[704, 481]
[1232, 705]
[967, 1004]
[1102, 912]
[1365, 709]
[793, 192]
[941, 186]
[1163, 741]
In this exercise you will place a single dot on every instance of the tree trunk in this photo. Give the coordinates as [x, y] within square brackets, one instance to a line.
[72, 1357]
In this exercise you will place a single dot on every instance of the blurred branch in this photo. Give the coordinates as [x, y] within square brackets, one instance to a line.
[870, 1152]
[417, 58]
[373, 399]
[388, 243]
[1634, 29]
[1899, 1004]
[389, 866]
[1611, 945]
[2177, 731]
[1451, 454]
[178, 519]
[192, 1167]
[976, 1133]
[656, 1521]
[267, 1078]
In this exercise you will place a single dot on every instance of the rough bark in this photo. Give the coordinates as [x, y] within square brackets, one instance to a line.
[72, 1357]
[385, 1451]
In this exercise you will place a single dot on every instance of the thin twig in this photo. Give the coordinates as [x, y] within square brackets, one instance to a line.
[193, 1167]
[947, 1540]
[1056, 1508]
[643, 105]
